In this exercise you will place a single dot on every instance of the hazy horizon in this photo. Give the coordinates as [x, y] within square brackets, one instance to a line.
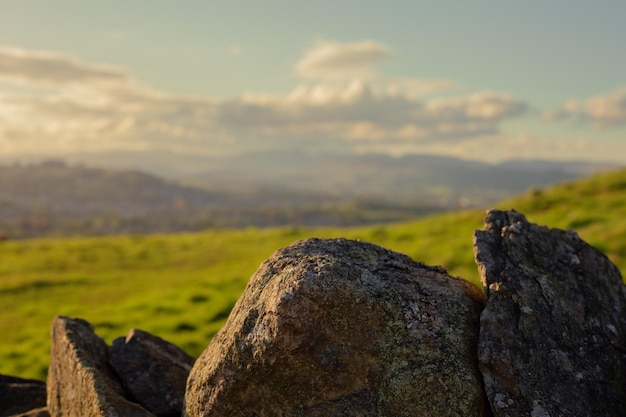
[485, 80]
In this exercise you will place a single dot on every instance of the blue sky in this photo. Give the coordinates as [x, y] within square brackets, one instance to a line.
[486, 80]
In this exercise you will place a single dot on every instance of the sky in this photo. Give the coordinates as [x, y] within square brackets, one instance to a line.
[486, 80]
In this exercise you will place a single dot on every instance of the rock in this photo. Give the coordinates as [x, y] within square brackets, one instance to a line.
[344, 328]
[19, 395]
[154, 371]
[80, 381]
[553, 333]
[38, 412]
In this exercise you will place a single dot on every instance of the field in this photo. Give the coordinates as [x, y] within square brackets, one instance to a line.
[182, 287]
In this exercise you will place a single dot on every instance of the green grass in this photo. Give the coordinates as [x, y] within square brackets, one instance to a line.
[182, 287]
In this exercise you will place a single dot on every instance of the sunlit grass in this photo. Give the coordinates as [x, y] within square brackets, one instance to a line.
[182, 287]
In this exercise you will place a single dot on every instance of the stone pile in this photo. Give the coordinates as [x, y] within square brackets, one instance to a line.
[141, 375]
[334, 327]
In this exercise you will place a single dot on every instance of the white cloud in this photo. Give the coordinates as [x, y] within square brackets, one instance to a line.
[414, 87]
[93, 107]
[605, 111]
[52, 69]
[336, 60]
[487, 106]
[357, 111]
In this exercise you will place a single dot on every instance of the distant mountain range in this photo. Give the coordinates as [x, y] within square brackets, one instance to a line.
[160, 192]
[409, 179]
[442, 181]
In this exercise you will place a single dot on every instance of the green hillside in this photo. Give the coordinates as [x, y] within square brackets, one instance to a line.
[181, 287]
[54, 199]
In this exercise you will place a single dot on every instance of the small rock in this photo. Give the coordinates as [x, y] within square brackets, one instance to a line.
[343, 328]
[553, 332]
[19, 395]
[154, 371]
[80, 381]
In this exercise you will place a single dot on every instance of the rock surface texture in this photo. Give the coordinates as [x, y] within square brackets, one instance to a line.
[553, 333]
[19, 395]
[153, 370]
[38, 412]
[80, 381]
[344, 328]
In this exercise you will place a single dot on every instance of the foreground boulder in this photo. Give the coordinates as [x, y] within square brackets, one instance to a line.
[19, 395]
[553, 332]
[344, 328]
[153, 370]
[80, 381]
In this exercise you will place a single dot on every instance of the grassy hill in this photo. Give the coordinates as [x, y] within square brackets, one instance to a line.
[54, 199]
[182, 287]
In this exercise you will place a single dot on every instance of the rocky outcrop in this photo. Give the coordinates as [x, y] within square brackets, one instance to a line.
[80, 381]
[344, 328]
[19, 395]
[553, 333]
[140, 375]
[153, 371]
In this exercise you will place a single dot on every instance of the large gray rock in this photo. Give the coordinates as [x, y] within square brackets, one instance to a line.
[553, 333]
[344, 328]
[19, 395]
[80, 380]
[153, 370]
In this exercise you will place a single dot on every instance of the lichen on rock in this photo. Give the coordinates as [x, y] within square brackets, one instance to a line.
[344, 328]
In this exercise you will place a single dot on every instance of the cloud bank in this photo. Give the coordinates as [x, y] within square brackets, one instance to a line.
[342, 104]
[604, 111]
[55, 70]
